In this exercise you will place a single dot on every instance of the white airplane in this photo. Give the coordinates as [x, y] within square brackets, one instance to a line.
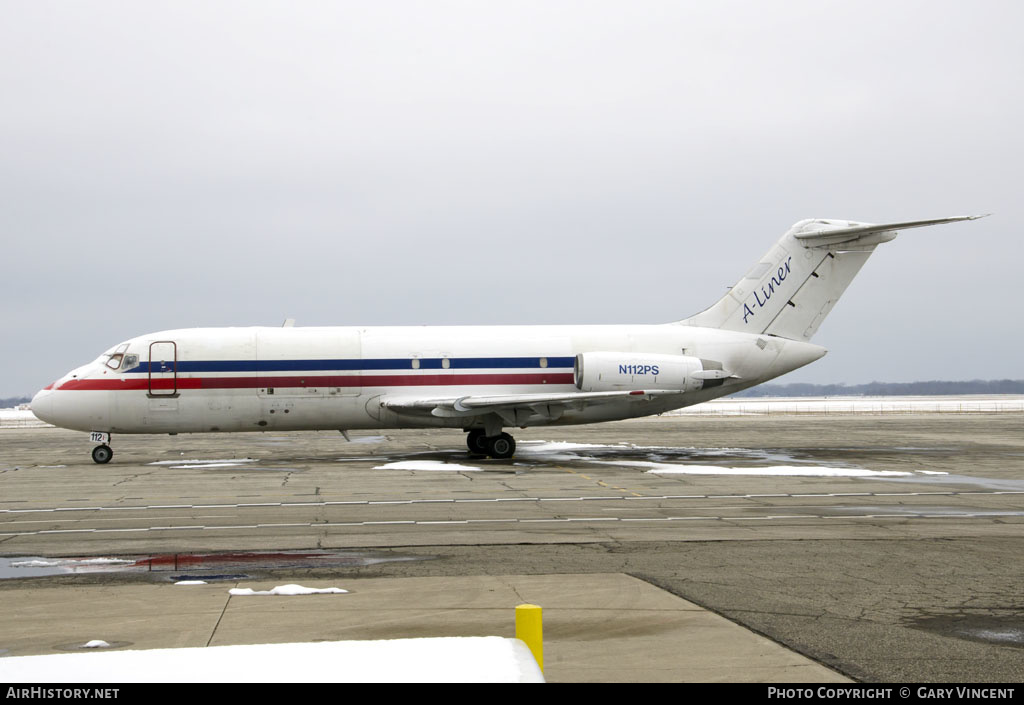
[480, 379]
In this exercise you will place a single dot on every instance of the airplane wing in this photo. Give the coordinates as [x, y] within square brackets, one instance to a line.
[516, 408]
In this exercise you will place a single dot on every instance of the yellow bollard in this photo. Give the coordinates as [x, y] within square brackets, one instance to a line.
[530, 630]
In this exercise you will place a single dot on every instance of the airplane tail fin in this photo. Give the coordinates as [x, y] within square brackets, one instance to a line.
[796, 283]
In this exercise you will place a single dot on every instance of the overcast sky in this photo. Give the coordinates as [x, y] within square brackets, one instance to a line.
[179, 164]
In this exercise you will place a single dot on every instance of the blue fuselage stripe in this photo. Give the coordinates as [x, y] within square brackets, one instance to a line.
[433, 363]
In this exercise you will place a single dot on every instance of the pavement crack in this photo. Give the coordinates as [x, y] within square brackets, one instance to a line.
[222, 612]
[519, 597]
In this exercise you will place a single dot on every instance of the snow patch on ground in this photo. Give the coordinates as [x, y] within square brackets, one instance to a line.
[774, 471]
[69, 562]
[545, 448]
[198, 463]
[599, 454]
[96, 644]
[200, 460]
[432, 465]
[489, 659]
[287, 590]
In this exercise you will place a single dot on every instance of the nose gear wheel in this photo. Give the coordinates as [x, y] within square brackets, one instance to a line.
[102, 454]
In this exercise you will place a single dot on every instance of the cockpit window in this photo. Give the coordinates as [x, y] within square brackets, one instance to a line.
[113, 359]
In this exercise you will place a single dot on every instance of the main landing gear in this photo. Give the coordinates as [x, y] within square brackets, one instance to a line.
[498, 447]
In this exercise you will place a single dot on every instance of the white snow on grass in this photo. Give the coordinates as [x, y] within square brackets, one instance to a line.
[432, 465]
[191, 582]
[967, 403]
[20, 418]
[96, 644]
[488, 659]
[287, 590]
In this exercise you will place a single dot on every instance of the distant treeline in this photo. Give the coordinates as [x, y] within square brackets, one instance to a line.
[13, 402]
[887, 389]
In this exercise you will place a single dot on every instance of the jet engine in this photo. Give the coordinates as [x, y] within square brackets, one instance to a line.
[613, 371]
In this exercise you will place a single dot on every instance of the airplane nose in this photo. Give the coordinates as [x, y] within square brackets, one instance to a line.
[42, 405]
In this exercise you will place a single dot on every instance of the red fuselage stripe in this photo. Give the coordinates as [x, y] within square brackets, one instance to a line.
[314, 381]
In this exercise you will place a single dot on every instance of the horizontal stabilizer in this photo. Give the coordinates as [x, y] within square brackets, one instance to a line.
[831, 232]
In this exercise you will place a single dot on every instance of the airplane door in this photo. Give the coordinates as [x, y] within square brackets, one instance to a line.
[163, 369]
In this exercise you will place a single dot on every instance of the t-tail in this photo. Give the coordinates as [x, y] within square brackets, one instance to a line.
[796, 283]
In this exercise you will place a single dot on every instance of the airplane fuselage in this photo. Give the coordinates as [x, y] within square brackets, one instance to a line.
[263, 379]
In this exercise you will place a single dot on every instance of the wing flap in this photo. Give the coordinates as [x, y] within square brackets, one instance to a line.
[546, 405]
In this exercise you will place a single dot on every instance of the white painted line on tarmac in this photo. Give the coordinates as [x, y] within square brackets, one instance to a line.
[387, 502]
[540, 520]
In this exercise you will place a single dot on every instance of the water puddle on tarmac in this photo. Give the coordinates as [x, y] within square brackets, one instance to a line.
[555, 451]
[196, 566]
[694, 461]
[744, 461]
[990, 629]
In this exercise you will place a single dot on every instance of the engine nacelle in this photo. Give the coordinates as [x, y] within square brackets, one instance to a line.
[613, 372]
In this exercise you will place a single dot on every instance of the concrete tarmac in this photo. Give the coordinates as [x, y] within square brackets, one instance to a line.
[899, 577]
[597, 627]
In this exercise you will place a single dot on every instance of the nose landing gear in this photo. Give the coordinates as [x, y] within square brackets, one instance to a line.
[102, 454]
